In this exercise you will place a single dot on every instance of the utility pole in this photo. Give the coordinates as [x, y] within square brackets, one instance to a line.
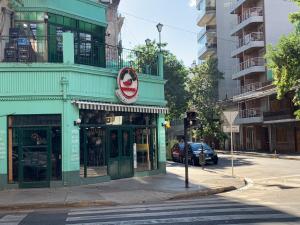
[189, 121]
[186, 153]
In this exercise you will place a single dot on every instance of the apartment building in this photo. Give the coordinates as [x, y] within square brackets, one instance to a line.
[214, 40]
[267, 124]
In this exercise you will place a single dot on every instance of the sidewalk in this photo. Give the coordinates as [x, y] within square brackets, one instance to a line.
[261, 154]
[125, 191]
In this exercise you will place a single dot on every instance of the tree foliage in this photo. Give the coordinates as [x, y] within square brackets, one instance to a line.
[175, 73]
[284, 60]
[203, 90]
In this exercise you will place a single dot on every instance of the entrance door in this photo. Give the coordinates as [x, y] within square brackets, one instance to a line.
[120, 148]
[34, 157]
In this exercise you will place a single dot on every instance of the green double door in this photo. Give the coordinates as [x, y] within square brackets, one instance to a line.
[34, 157]
[120, 157]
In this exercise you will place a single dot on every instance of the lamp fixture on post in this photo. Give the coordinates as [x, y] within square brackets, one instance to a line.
[159, 28]
[148, 42]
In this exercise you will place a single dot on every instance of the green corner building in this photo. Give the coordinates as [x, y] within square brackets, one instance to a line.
[61, 122]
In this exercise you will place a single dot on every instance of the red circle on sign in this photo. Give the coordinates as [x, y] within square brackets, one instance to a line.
[128, 82]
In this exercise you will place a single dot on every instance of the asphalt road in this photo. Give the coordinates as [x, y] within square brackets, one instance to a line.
[273, 197]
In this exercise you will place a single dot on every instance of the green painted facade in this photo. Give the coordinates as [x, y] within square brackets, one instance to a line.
[50, 88]
[85, 10]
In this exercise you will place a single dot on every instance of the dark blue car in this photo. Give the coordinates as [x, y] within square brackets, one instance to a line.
[194, 152]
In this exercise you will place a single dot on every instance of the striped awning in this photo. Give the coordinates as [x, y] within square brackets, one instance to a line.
[120, 108]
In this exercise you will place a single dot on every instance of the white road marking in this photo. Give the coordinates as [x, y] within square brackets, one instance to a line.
[169, 213]
[12, 219]
[166, 204]
[190, 219]
[141, 209]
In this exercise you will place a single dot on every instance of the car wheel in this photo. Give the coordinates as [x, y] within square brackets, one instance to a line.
[215, 161]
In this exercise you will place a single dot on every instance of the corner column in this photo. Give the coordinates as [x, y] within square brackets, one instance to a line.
[68, 48]
[3, 152]
[161, 144]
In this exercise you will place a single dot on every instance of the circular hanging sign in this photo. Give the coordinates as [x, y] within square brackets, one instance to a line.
[128, 85]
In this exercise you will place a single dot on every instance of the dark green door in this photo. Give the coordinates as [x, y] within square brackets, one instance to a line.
[120, 146]
[34, 157]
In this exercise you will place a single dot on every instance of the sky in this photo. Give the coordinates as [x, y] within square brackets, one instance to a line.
[179, 19]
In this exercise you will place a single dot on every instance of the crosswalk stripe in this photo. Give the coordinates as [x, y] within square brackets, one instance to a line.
[190, 219]
[146, 208]
[12, 219]
[166, 204]
[168, 213]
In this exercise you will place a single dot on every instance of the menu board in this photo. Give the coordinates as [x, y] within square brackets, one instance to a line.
[75, 148]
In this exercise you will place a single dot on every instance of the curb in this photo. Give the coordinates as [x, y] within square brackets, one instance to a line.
[45, 205]
[272, 156]
[203, 193]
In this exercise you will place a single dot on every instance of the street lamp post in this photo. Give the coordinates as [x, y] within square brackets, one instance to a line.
[148, 42]
[159, 28]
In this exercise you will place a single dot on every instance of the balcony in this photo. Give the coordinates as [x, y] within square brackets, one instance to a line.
[249, 116]
[253, 65]
[251, 16]
[207, 14]
[29, 49]
[211, 29]
[236, 4]
[283, 114]
[207, 51]
[249, 42]
[254, 90]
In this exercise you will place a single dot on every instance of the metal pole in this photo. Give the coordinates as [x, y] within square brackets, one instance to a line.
[186, 155]
[159, 42]
[231, 137]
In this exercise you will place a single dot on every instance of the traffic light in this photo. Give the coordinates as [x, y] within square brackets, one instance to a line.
[191, 118]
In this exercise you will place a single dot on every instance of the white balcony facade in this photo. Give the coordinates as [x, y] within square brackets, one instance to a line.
[249, 116]
[250, 16]
[254, 90]
[207, 45]
[207, 13]
[252, 65]
[249, 42]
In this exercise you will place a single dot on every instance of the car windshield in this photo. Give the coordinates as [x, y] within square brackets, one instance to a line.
[198, 146]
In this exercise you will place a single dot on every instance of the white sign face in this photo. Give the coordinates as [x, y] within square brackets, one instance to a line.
[128, 85]
[235, 129]
[230, 116]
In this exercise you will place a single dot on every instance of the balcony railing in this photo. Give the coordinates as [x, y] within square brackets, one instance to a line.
[248, 38]
[255, 11]
[250, 113]
[25, 49]
[287, 113]
[251, 63]
[253, 87]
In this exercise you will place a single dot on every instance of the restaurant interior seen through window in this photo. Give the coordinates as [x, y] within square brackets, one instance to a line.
[101, 142]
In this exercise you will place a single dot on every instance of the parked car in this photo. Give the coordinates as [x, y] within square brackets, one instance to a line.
[194, 151]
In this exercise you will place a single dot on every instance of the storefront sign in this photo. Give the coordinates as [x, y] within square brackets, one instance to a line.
[128, 85]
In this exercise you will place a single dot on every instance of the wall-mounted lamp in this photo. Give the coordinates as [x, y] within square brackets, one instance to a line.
[77, 122]
[166, 124]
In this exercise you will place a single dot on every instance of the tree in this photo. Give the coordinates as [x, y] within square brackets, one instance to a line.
[203, 92]
[284, 61]
[174, 72]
